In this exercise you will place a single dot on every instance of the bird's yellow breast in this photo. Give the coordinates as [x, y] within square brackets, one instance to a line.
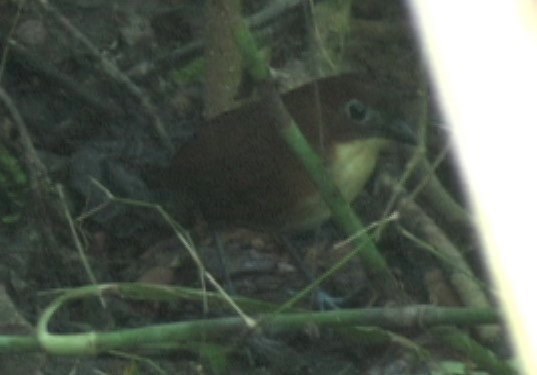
[351, 165]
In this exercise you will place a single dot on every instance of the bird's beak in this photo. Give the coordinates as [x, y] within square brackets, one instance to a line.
[400, 131]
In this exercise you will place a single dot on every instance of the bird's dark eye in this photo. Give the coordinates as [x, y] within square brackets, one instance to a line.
[356, 110]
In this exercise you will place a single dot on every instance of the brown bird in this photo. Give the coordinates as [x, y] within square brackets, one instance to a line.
[239, 171]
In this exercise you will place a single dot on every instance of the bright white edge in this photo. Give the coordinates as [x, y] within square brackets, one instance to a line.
[482, 56]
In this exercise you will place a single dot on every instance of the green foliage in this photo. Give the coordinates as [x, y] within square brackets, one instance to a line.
[192, 72]
[254, 60]
[216, 356]
[13, 187]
